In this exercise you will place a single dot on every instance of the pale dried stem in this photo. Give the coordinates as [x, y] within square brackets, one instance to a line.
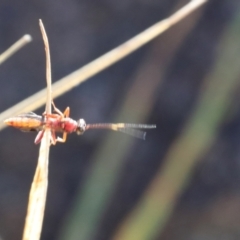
[48, 69]
[38, 192]
[15, 47]
[37, 196]
[89, 70]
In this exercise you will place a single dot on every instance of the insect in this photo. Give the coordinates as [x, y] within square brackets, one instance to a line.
[61, 122]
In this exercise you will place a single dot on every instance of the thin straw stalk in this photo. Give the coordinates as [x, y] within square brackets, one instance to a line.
[38, 192]
[15, 47]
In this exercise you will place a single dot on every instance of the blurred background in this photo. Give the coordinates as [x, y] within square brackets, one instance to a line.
[183, 181]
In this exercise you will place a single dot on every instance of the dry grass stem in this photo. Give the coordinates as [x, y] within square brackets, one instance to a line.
[38, 192]
[48, 69]
[15, 47]
[101, 63]
[37, 196]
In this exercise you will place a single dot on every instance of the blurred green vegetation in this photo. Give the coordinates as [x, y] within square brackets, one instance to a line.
[88, 173]
[152, 212]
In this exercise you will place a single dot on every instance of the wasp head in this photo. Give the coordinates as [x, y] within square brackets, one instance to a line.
[81, 126]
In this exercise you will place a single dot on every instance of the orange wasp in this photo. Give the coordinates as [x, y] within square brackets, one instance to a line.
[61, 122]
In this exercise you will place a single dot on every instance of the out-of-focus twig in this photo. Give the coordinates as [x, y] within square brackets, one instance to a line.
[15, 47]
[101, 63]
[38, 192]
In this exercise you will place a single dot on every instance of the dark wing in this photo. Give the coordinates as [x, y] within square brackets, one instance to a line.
[128, 128]
[31, 116]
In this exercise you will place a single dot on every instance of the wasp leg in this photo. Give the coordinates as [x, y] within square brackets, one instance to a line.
[63, 139]
[39, 137]
[53, 138]
[67, 112]
[52, 115]
[59, 112]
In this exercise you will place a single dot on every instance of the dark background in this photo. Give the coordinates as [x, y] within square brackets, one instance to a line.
[176, 63]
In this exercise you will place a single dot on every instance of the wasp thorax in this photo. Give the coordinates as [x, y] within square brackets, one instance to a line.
[81, 126]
